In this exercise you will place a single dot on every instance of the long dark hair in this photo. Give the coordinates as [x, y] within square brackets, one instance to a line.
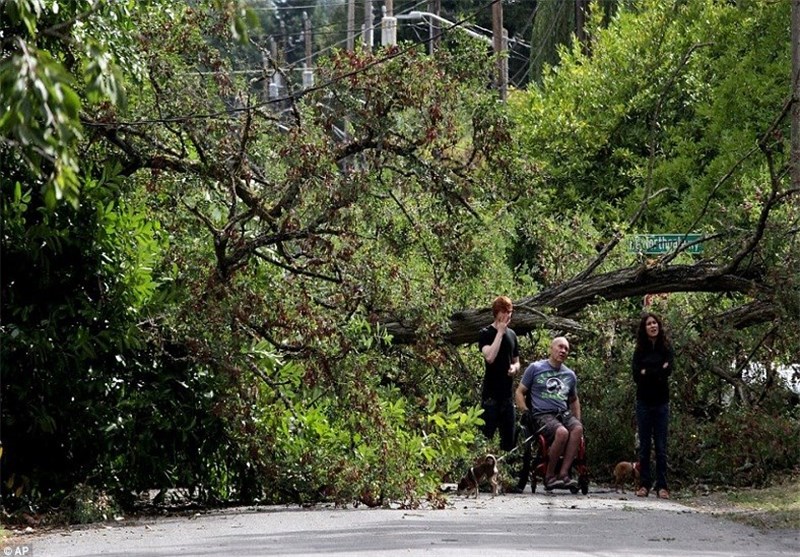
[643, 341]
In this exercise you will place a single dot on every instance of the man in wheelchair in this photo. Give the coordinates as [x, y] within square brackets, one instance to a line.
[551, 390]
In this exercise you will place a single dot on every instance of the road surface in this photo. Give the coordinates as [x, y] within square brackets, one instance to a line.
[600, 524]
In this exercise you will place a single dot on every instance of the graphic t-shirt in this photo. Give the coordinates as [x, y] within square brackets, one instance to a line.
[550, 389]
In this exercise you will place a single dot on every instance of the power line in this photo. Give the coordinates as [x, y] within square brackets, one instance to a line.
[296, 95]
[275, 8]
[288, 8]
[458, 24]
[526, 66]
[405, 11]
[549, 34]
[343, 41]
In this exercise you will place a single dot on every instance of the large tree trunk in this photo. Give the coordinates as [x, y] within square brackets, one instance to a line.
[552, 308]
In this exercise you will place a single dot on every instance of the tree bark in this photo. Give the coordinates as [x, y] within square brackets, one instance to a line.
[554, 308]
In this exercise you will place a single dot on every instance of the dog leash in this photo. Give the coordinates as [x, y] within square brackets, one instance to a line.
[525, 442]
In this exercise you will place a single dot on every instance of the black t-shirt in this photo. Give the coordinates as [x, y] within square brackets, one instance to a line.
[497, 384]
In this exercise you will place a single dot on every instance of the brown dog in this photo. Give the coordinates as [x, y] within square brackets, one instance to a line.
[484, 469]
[625, 471]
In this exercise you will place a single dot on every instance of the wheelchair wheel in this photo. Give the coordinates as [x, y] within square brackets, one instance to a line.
[583, 484]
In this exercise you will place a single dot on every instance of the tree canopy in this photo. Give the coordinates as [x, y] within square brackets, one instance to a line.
[209, 288]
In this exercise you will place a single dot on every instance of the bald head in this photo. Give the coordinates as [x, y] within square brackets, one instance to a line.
[559, 350]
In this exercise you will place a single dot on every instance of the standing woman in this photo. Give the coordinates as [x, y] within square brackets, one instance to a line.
[652, 365]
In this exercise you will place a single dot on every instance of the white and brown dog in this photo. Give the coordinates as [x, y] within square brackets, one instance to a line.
[484, 469]
[624, 472]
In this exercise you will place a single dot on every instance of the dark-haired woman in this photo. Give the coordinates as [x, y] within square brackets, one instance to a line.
[652, 365]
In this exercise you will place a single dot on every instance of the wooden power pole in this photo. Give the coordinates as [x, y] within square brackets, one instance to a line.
[499, 48]
[435, 29]
[368, 25]
[351, 25]
[308, 72]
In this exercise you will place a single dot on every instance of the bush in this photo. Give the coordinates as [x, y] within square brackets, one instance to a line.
[84, 505]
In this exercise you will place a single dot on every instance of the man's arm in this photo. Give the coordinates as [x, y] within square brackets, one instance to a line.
[519, 397]
[512, 371]
[575, 407]
[490, 350]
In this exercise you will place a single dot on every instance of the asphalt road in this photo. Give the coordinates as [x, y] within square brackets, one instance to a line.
[600, 524]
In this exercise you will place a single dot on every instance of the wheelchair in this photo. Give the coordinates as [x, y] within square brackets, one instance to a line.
[536, 458]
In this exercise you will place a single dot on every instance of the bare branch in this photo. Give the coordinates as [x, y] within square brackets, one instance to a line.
[273, 385]
[607, 248]
[296, 270]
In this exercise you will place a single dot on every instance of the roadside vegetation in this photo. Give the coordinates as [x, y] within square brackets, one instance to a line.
[772, 508]
[212, 292]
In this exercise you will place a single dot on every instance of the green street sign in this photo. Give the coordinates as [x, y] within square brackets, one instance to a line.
[663, 243]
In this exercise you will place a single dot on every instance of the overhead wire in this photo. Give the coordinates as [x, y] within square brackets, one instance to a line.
[526, 59]
[344, 41]
[442, 31]
[299, 94]
[549, 34]
[336, 44]
[288, 37]
[275, 8]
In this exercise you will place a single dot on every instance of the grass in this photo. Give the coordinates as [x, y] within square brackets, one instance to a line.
[772, 508]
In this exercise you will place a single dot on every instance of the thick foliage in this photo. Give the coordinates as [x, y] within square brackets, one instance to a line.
[677, 113]
[91, 391]
[214, 299]
[210, 311]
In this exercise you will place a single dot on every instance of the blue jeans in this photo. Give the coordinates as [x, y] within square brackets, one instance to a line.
[653, 424]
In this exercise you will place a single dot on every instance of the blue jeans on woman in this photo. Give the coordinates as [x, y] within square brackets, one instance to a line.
[653, 424]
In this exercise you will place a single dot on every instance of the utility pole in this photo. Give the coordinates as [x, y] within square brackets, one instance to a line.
[388, 25]
[308, 73]
[368, 24]
[351, 25]
[351, 43]
[795, 157]
[435, 7]
[499, 48]
[275, 75]
[504, 74]
[284, 41]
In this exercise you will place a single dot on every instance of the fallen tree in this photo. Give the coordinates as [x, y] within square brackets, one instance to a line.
[553, 308]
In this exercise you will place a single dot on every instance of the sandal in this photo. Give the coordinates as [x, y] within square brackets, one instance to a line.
[642, 492]
[569, 482]
[663, 493]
